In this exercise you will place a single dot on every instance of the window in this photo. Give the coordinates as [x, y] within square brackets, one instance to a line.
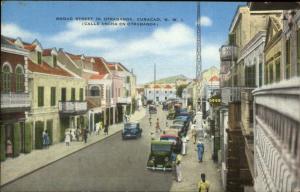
[81, 94]
[277, 69]
[95, 91]
[266, 74]
[54, 60]
[6, 75]
[19, 79]
[165, 92]
[156, 92]
[298, 52]
[271, 72]
[40, 96]
[63, 94]
[149, 92]
[53, 96]
[250, 76]
[39, 57]
[260, 73]
[128, 79]
[73, 94]
[287, 59]
[232, 39]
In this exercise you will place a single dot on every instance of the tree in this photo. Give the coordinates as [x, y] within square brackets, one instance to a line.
[179, 90]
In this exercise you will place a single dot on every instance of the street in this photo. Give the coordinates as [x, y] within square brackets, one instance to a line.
[113, 165]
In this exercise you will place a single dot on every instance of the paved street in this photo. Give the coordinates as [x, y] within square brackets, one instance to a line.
[116, 165]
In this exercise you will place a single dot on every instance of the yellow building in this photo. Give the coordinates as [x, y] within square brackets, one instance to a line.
[58, 97]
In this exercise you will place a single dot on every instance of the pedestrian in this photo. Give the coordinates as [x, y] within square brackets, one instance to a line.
[71, 136]
[157, 126]
[106, 129]
[97, 128]
[203, 185]
[44, 138]
[200, 148]
[194, 133]
[77, 133]
[184, 146]
[100, 126]
[67, 139]
[9, 148]
[85, 135]
[178, 168]
[47, 139]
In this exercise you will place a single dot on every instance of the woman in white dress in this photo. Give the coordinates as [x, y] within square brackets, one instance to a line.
[67, 139]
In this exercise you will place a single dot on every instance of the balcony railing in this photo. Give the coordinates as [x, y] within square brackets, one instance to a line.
[15, 100]
[72, 107]
[126, 100]
[232, 94]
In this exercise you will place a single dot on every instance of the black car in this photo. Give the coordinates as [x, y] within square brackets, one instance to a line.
[152, 109]
[131, 131]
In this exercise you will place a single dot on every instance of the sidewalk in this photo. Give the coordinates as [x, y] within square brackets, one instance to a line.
[192, 169]
[14, 168]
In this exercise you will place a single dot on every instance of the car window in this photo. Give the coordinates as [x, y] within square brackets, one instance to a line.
[161, 148]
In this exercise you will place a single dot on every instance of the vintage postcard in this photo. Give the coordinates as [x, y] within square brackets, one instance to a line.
[150, 96]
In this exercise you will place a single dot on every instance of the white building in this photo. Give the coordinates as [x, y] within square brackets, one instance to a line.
[159, 92]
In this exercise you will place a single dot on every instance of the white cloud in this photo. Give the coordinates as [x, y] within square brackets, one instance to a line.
[205, 21]
[13, 30]
[76, 29]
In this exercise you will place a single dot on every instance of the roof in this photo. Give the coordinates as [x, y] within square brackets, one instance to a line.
[97, 76]
[214, 78]
[73, 56]
[168, 136]
[99, 66]
[45, 68]
[156, 86]
[264, 6]
[168, 87]
[9, 43]
[30, 47]
[47, 52]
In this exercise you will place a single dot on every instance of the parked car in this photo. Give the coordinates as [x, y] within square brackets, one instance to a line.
[152, 109]
[168, 137]
[172, 131]
[131, 130]
[160, 156]
[180, 127]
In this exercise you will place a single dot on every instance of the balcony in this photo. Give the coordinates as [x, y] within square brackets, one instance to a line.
[72, 107]
[230, 94]
[15, 101]
[228, 53]
[124, 100]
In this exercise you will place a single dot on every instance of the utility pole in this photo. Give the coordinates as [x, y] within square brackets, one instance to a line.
[154, 99]
[198, 57]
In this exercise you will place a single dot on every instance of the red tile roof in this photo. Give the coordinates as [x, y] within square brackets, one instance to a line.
[156, 86]
[214, 78]
[45, 68]
[30, 47]
[97, 76]
[168, 87]
[47, 52]
[99, 66]
[72, 56]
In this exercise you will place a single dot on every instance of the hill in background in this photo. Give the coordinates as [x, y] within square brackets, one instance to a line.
[171, 79]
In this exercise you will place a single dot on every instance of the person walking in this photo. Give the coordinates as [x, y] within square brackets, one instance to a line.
[203, 185]
[9, 148]
[97, 129]
[67, 139]
[85, 134]
[45, 138]
[178, 168]
[200, 148]
[77, 133]
[194, 133]
[106, 129]
[157, 126]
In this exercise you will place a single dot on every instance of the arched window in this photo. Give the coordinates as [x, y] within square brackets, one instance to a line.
[6, 78]
[19, 79]
[95, 91]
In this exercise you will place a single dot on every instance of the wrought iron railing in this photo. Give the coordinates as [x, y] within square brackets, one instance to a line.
[15, 100]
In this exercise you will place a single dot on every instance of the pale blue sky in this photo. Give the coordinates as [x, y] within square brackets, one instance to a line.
[170, 44]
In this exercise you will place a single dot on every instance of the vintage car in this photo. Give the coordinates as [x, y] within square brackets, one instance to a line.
[160, 156]
[131, 130]
[168, 137]
[172, 131]
[180, 126]
[152, 109]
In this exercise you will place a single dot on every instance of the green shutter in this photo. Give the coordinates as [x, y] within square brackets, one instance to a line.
[28, 137]
[2, 143]
[39, 128]
[81, 94]
[73, 94]
[40, 96]
[16, 140]
[53, 96]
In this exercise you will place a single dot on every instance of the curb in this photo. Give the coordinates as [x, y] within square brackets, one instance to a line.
[47, 164]
[34, 170]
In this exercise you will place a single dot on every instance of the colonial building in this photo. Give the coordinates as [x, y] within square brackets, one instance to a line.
[15, 99]
[276, 103]
[159, 92]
